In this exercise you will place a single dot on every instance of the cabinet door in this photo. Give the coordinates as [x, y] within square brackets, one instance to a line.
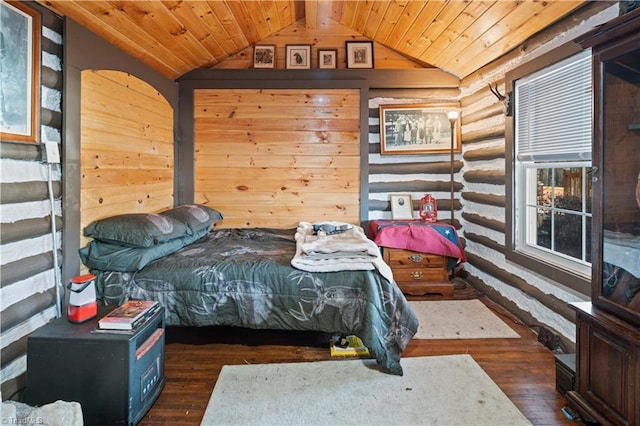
[616, 186]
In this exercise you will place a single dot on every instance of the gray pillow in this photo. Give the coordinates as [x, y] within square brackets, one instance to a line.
[195, 216]
[136, 229]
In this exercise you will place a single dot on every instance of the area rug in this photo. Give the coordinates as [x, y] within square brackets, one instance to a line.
[443, 390]
[458, 319]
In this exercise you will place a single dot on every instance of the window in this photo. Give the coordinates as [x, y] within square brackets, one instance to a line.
[550, 196]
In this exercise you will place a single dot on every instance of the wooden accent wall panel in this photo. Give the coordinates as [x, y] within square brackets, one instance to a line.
[277, 157]
[126, 147]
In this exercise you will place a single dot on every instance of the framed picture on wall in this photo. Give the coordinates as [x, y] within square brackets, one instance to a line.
[20, 65]
[401, 206]
[418, 129]
[327, 58]
[298, 56]
[264, 56]
[359, 54]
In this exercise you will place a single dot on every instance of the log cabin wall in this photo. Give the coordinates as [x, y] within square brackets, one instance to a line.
[27, 283]
[535, 299]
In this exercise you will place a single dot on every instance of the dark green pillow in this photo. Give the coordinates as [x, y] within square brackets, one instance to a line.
[195, 216]
[136, 229]
[114, 257]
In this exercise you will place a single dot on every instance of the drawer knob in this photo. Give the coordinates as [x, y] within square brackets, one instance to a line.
[416, 275]
[415, 258]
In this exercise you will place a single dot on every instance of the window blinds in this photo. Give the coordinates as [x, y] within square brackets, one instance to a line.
[554, 112]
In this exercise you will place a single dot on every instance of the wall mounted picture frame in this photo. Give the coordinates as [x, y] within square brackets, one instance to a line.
[264, 56]
[327, 58]
[417, 129]
[401, 206]
[20, 65]
[359, 54]
[298, 56]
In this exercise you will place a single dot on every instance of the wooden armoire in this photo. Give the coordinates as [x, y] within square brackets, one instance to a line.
[608, 328]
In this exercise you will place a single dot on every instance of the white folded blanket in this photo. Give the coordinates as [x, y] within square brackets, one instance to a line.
[349, 250]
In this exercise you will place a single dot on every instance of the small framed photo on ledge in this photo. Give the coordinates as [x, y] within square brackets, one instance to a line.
[327, 58]
[359, 54]
[264, 56]
[401, 206]
[298, 56]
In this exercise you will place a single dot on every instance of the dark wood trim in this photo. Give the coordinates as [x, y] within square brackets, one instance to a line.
[485, 241]
[414, 186]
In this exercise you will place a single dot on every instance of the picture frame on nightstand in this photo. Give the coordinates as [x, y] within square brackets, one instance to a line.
[401, 206]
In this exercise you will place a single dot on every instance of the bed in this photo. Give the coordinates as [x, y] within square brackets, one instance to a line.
[243, 277]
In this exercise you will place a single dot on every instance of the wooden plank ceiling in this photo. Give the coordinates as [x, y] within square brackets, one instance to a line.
[177, 36]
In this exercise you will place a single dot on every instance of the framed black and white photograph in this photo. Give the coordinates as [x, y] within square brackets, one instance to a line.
[298, 56]
[359, 54]
[264, 56]
[417, 129]
[401, 206]
[327, 58]
[20, 72]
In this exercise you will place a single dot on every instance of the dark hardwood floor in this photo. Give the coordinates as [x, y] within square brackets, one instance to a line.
[523, 368]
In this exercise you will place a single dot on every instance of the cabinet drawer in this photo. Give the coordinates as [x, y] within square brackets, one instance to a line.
[407, 275]
[405, 258]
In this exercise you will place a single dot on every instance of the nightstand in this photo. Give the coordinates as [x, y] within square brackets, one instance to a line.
[420, 254]
[116, 377]
[418, 273]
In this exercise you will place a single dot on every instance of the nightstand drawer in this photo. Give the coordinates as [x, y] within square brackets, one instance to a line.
[398, 258]
[406, 275]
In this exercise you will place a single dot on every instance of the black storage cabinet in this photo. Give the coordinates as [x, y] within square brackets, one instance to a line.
[116, 377]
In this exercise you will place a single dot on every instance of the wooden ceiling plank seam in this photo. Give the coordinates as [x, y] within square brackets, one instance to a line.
[311, 14]
[363, 11]
[335, 9]
[458, 27]
[348, 13]
[378, 9]
[272, 16]
[254, 16]
[442, 21]
[143, 37]
[161, 24]
[241, 20]
[413, 37]
[187, 16]
[135, 42]
[521, 22]
[407, 20]
[390, 19]
[323, 14]
[219, 18]
[481, 24]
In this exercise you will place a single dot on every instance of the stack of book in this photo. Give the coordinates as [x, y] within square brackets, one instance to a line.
[347, 346]
[129, 316]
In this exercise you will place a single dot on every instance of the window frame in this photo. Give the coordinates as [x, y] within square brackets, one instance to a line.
[552, 270]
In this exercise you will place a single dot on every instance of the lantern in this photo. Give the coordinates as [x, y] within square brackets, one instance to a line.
[428, 209]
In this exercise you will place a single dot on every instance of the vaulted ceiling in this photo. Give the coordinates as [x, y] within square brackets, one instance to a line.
[177, 36]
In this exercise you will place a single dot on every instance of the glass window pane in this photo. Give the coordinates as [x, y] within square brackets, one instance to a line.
[543, 235]
[568, 234]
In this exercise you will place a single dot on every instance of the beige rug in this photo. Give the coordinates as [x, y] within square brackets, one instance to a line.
[443, 390]
[459, 319]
